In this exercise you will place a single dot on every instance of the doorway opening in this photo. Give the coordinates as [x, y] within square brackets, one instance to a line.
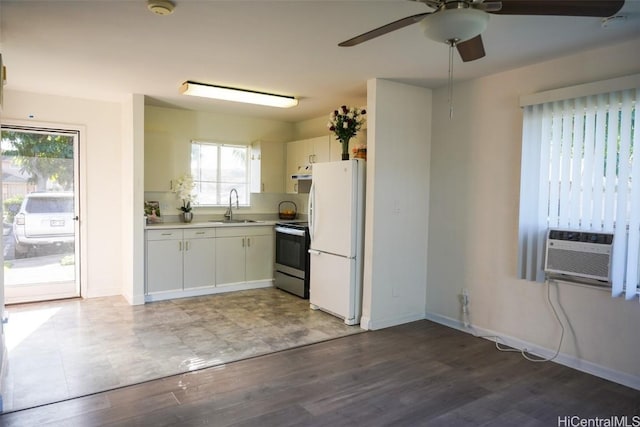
[40, 213]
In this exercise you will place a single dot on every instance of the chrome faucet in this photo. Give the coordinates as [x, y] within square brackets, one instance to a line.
[229, 214]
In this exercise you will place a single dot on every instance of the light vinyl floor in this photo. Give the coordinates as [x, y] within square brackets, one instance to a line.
[70, 348]
[417, 374]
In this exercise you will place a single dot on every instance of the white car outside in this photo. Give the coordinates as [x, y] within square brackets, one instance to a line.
[45, 219]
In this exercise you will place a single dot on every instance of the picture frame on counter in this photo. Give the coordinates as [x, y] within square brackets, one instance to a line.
[152, 212]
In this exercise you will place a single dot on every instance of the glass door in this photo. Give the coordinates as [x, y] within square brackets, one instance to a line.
[40, 213]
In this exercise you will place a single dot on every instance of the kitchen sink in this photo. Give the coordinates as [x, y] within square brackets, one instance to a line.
[233, 221]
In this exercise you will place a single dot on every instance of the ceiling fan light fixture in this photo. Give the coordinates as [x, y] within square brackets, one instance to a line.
[456, 24]
[237, 95]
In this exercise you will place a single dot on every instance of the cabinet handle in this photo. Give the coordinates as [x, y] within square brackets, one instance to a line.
[186, 245]
[167, 234]
[199, 232]
[243, 242]
[295, 187]
[180, 246]
[262, 187]
[248, 241]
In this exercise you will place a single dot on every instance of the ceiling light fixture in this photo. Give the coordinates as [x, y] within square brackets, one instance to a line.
[237, 95]
[455, 21]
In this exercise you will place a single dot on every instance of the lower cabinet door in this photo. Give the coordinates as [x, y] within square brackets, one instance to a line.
[199, 263]
[164, 266]
[230, 260]
[260, 256]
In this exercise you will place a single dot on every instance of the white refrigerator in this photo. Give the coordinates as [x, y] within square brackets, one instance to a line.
[336, 228]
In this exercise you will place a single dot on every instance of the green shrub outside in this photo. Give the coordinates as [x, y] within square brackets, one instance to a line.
[11, 207]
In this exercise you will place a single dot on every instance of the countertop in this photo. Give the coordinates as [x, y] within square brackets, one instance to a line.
[208, 224]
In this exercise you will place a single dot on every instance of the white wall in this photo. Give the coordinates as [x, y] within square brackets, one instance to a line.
[101, 178]
[133, 199]
[398, 158]
[168, 135]
[473, 222]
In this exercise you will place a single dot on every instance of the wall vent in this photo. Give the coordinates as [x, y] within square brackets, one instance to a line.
[579, 254]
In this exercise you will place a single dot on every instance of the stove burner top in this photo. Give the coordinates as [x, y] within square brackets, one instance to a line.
[297, 224]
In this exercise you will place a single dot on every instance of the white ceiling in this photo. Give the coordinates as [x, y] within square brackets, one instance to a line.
[105, 49]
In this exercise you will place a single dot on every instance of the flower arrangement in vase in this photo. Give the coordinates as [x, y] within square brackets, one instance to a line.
[183, 187]
[345, 122]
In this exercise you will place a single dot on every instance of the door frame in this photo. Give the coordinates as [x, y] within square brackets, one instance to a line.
[80, 176]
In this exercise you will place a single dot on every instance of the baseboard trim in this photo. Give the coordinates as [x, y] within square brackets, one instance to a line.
[134, 299]
[162, 296]
[369, 324]
[604, 372]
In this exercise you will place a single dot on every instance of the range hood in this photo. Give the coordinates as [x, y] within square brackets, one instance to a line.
[302, 176]
[303, 173]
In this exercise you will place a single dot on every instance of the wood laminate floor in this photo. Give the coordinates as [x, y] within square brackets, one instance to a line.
[411, 375]
[65, 349]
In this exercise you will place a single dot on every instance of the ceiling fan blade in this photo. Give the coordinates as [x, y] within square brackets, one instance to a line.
[596, 8]
[396, 25]
[471, 49]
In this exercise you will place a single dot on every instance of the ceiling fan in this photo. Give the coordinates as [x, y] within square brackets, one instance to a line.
[459, 23]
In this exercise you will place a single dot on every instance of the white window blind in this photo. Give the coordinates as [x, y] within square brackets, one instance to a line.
[579, 172]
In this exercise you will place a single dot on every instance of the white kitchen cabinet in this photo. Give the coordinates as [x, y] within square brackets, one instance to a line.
[303, 153]
[199, 254]
[163, 161]
[179, 259]
[244, 254]
[260, 252]
[231, 260]
[164, 261]
[267, 167]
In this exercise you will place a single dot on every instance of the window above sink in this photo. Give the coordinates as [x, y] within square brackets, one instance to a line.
[216, 169]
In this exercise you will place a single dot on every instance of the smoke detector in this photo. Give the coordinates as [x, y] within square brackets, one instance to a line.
[160, 7]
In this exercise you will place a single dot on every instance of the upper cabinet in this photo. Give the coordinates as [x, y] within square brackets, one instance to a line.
[267, 167]
[168, 133]
[300, 154]
[314, 150]
[160, 165]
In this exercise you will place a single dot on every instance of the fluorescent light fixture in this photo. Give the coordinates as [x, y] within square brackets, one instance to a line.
[237, 95]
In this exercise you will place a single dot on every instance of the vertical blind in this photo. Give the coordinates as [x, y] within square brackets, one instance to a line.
[579, 172]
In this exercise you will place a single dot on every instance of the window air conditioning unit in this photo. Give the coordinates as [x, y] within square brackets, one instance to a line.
[578, 254]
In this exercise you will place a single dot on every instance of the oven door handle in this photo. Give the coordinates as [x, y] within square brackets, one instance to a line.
[292, 231]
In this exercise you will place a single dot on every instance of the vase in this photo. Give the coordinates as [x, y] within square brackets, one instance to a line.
[345, 149]
[187, 217]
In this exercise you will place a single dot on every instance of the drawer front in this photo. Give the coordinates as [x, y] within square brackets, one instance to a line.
[168, 234]
[199, 233]
[244, 231]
